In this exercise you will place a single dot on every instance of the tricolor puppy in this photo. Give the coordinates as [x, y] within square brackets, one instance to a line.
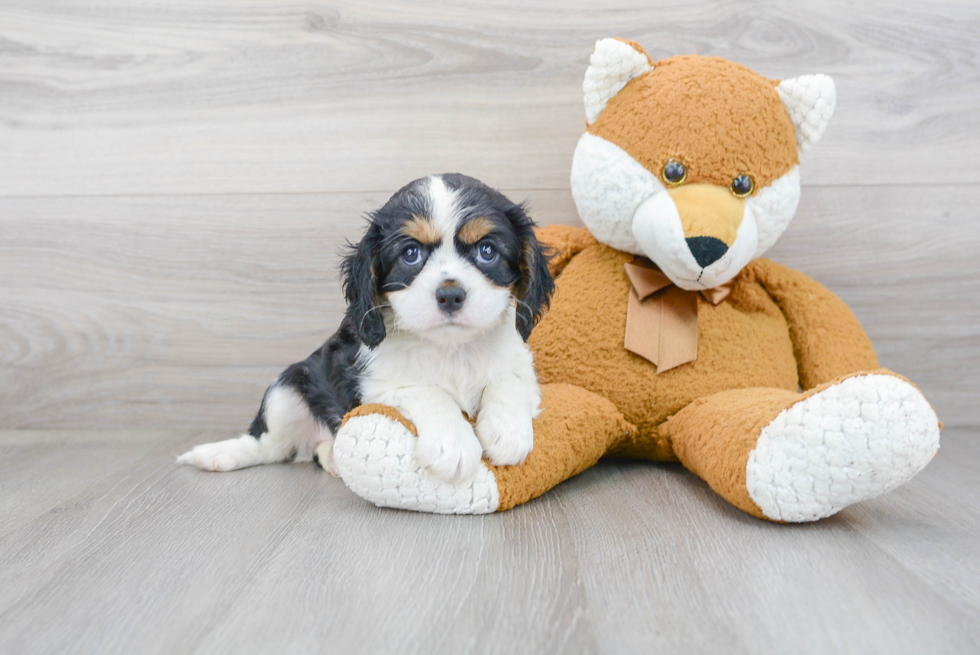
[442, 293]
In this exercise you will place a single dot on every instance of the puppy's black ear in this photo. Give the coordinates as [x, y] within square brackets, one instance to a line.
[534, 289]
[360, 274]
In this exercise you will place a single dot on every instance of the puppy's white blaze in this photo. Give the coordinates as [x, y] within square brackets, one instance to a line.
[443, 204]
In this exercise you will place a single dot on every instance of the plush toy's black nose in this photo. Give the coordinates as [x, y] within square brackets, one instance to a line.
[706, 250]
[450, 297]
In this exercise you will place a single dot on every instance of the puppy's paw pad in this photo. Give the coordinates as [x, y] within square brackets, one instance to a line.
[324, 457]
[507, 436]
[453, 454]
[454, 464]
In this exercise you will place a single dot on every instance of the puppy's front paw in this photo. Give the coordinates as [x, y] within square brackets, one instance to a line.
[323, 455]
[449, 449]
[507, 434]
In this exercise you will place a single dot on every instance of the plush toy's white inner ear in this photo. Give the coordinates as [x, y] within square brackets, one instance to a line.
[810, 100]
[612, 65]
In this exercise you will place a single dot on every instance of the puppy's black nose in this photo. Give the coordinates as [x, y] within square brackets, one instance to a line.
[450, 298]
[706, 250]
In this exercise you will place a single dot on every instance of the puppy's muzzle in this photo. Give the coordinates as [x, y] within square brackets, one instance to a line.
[450, 297]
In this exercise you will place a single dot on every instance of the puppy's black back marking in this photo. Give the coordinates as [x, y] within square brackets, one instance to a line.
[259, 427]
[327, 380]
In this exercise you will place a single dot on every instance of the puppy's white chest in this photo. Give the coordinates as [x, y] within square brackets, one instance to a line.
[462, 371]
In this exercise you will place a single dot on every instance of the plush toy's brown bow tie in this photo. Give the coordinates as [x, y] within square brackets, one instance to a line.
[662, 319]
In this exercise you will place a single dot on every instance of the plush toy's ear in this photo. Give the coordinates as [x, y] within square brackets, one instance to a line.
[810, 101]
[533, 291]
[360, 276]
[613, 64]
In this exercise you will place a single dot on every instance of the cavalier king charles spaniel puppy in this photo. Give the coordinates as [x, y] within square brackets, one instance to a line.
[442, 292]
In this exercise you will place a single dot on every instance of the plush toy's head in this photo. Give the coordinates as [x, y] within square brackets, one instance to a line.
[692, 161]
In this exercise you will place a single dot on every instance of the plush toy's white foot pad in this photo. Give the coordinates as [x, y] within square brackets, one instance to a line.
[376, 458]
[853, 441]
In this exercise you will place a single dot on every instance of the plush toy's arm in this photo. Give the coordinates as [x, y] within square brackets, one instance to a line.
[827, 339]
[565, 241]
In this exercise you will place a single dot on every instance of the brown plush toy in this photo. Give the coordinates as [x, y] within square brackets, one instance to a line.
[668, 338]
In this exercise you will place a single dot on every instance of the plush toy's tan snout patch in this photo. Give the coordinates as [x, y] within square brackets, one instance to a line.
[708, 210]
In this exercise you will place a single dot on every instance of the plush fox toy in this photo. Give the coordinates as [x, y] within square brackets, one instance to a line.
[668, 338]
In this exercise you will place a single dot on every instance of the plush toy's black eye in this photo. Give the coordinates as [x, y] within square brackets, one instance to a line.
[486, 253]
[412, 255]
[742, 186]
[674, 173]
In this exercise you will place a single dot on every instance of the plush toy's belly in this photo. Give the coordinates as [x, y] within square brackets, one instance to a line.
[742, 342]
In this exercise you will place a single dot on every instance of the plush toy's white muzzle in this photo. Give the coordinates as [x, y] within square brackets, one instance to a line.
[626, 207]
[659, 231]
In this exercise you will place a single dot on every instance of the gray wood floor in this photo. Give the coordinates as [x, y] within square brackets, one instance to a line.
[176, 178]
[108, 547]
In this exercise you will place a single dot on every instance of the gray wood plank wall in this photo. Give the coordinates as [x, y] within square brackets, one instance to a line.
[176, 178]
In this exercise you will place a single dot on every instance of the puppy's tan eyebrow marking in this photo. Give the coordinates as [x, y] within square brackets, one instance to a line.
[422, 230]
[475, 229]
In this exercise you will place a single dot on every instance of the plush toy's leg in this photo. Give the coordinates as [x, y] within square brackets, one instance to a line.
[789, 457]
[375, 454]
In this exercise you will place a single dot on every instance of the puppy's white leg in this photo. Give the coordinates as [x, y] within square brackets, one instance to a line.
[292, 434]
[504, 425]
[323, 452]
[447, 446]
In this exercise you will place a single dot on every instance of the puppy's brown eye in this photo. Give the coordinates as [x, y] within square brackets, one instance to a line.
[412, 255]
[674, 173]
[742, 186]
[486, 253]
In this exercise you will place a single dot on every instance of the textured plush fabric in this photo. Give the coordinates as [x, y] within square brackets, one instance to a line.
[566, 242]
[828, 342]
[713, 437]
[852, 439]
[753, 135]
[742, 342]
[575, 429]
[384, 410]
[810, 101]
